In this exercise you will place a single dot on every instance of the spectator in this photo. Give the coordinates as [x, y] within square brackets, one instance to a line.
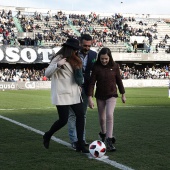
[135, 46]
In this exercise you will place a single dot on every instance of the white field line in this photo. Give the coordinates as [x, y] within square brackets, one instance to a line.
[94, 107]
[108, 161]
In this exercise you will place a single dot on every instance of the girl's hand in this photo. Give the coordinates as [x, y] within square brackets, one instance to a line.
[61, 62]
[90, 101]
[80, 88]
[123, 98]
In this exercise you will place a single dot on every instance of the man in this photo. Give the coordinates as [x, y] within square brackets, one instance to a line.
[135, 46]
[88, 58]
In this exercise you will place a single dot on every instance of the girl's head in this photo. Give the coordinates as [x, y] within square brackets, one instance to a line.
[105, 58]
[72, 43]
[69, 48]
[69, 51]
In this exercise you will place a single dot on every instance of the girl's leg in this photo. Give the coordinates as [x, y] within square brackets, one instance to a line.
[102, 114]
[110, 106]
[63, 112]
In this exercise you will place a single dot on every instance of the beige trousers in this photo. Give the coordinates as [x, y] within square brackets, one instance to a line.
[106, 115]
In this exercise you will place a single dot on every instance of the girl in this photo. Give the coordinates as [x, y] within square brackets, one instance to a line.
[106, 76]
[65, 92]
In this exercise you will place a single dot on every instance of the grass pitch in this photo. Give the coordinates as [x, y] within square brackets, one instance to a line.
[142, 130]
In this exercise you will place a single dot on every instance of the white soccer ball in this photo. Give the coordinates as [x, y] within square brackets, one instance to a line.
[97, 149]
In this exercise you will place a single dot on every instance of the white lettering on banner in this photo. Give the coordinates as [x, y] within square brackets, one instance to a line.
[12, 55]
[1, 55]
[30, 85]
[29, 55]
[145, 83]
[39, 84]
[7, 86]
[140, 57]
[45, 54]
[47, 84]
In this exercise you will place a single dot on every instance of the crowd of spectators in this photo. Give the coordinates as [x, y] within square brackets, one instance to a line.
[6, 28]
[26, 74]
[54, 28]
[163, 44]
[51, 27]
[114, 29]
[111, 30]
[146, 73]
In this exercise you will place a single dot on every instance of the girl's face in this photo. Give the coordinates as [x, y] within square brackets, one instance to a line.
[104, 59]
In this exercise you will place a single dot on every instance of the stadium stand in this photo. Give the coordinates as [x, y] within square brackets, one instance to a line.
[140, 44]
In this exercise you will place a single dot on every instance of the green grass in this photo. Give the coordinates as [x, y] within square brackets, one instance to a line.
[142, 130]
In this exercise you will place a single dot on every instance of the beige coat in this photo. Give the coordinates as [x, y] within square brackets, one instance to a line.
[64, 90]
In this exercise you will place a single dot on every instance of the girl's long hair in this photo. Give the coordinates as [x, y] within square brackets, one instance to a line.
[107, 51]
[71, 56]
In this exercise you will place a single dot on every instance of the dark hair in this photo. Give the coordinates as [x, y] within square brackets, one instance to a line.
[73, 43]
[65, 51]
[69, 53]
[108, 52]
[86, 37]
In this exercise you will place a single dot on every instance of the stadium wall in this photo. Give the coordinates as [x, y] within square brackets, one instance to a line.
[35, 85]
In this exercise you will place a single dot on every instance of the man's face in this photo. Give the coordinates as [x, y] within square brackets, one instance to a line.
[85, 46]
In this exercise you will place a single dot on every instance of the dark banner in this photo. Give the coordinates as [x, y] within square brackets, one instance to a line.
[26, 54]
[42, 54]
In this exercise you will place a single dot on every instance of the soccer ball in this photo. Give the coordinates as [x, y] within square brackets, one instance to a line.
[97, 149]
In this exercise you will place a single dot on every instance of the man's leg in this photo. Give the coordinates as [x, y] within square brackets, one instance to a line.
[85, 104]
[72, 126]
[72, 120]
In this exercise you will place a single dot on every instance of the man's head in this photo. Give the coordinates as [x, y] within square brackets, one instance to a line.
[86, 42]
